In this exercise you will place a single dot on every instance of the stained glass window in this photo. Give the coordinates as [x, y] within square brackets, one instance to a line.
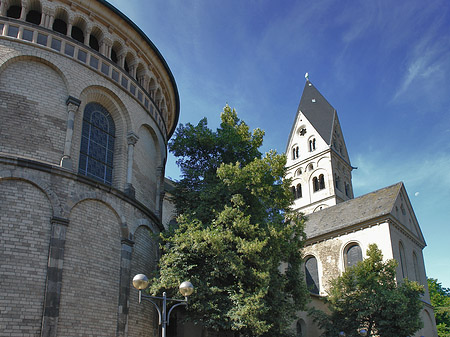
[97, 144]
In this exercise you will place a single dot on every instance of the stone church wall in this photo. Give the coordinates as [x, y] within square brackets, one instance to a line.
[70, 243]
[330, 253]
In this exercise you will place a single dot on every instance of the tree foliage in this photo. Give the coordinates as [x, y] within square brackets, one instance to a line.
[368, 296]
[236, 239]
[440, 300]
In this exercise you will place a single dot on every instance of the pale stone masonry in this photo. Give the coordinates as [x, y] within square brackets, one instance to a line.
[87, 105]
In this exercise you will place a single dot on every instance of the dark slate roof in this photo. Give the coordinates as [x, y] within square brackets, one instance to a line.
[352, 212]
[320, 113]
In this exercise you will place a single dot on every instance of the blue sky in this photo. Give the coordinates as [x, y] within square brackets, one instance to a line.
[384, 65]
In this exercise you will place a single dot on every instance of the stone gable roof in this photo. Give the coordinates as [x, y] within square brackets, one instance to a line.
[352, 212]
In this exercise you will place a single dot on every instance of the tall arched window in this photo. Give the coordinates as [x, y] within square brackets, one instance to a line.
[321, 182]
[352, 255]
[298, 193]
[312, 144]
[295, 152]
[312, 275]
[416, 267]
[293, 192]
[315, 182]
[402, 260]
[97, 143]
[301, 328]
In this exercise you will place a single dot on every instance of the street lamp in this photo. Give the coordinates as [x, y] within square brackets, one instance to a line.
[140, 282]
[361, 332]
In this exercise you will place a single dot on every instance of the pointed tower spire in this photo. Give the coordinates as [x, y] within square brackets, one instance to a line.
[317, 161]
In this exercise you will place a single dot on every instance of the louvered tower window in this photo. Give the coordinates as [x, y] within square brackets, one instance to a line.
[97, 144]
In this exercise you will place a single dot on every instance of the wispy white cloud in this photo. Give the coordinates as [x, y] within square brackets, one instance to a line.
[427, 173]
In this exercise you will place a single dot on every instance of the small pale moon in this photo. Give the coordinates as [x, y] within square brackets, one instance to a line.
[416, 194]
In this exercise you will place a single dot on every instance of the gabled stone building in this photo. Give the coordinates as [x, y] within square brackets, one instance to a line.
[340, 227]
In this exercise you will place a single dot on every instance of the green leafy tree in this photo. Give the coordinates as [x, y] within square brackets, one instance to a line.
[368, 296]
[236, 239]
[440, 300]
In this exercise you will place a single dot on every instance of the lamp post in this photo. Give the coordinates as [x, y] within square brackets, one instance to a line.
[140, 282]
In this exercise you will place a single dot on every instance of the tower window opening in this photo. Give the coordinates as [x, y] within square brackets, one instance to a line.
[14, 12]
[321, 182]
[295, 152]
[312, 145]
[60, 26]
[315, 184]
[77, 34]
[114, 57]
[298, 191]
[347, 190]
[93, 43]
[293, 192]
[33, 17]
[318, 183]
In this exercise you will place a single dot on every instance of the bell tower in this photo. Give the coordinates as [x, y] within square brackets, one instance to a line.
[317, 158]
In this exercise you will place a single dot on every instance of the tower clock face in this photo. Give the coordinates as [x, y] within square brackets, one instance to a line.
[302, 131]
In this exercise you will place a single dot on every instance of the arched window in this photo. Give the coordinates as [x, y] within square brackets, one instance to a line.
[416, 267]
[298, 191]
[33, 16]
[295, 152]
[60, 26]
[114, 57]
[312, 275]
[77, 34]
[321, 182]
[293, 192]
[315, 182]
[14, 12]
[352, 255]
[301, 328]
[402, 260]
[312, 144]
[97, 144]
[93, 43]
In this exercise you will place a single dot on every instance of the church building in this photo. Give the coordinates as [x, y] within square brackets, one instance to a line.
[340, 227]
